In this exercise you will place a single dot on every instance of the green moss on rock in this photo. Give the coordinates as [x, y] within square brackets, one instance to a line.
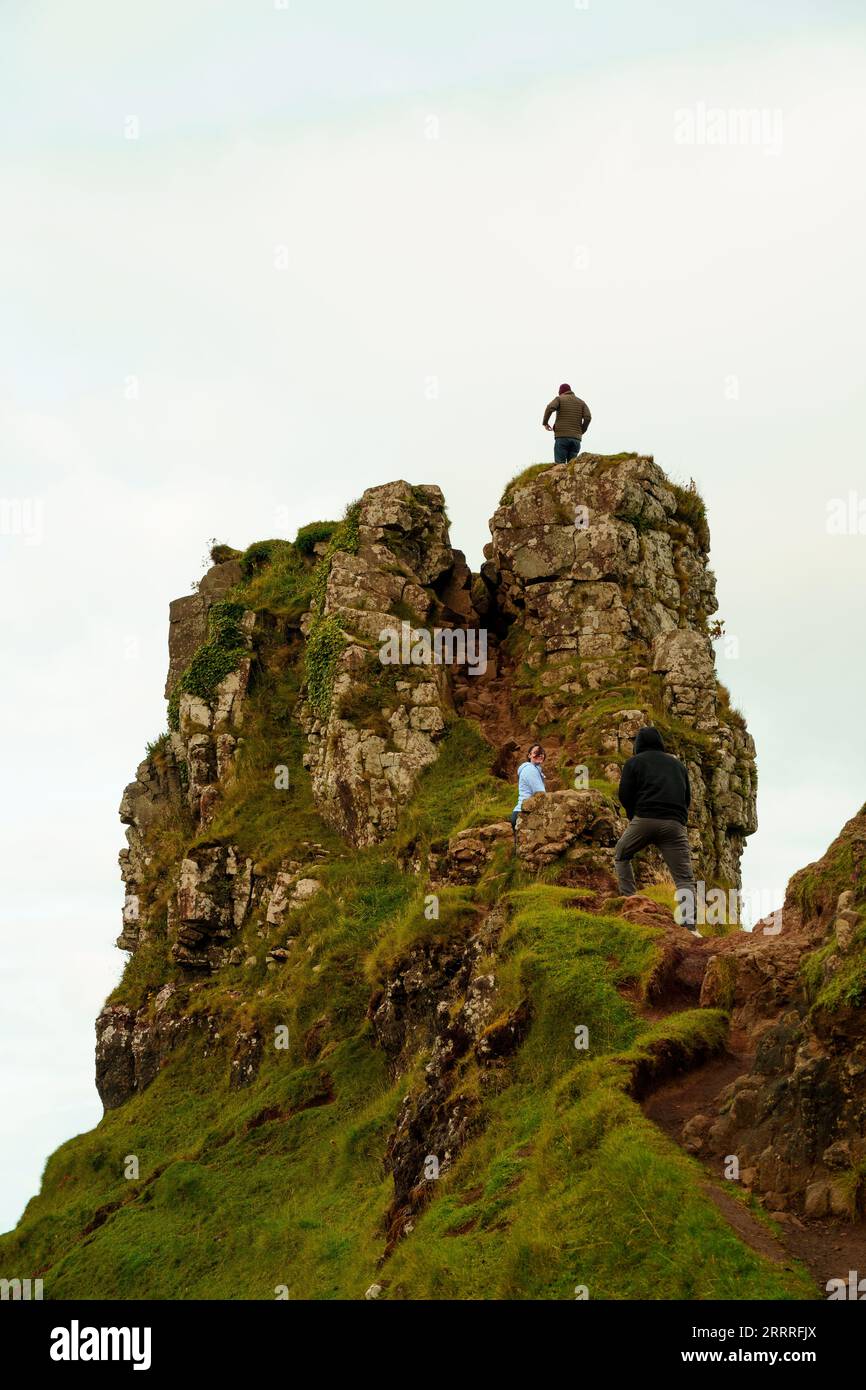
[213, 660]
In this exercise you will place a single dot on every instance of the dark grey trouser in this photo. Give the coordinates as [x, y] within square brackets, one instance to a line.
[673, 843]
[565, 448]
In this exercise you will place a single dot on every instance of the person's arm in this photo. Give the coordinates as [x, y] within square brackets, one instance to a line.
[627, 788]
[688, 787]
[554, 405]
[586, 417]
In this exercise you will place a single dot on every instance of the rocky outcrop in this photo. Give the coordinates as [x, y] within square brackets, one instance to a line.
[438, 1000]
[563, 825]
[601, 565]
[594, 555]
[180, 783]
[187, 618]
[596, 574]
[595, 581]
[796, 1121]
[210, 904]
[753, 976]
[591, 610]
[386, 717]
[157, 790]
[471, 851]
[209, 729]
[132, 1044]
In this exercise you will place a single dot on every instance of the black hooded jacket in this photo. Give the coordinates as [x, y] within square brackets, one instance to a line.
[654, 783]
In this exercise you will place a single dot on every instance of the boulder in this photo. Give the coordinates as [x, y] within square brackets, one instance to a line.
[470, 851]
[133, 1044]
[556, 825]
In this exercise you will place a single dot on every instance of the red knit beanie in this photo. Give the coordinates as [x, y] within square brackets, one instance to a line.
[564, 387]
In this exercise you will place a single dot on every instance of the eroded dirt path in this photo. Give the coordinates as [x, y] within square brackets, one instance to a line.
[828, 1249]
[488, 699]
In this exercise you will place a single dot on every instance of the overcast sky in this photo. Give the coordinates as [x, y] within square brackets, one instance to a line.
[257, 257]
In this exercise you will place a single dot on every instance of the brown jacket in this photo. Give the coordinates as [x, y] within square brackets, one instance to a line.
[572, 416]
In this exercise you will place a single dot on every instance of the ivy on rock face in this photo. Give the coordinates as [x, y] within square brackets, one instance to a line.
[325, 642]
[214, 659]
[326, 639]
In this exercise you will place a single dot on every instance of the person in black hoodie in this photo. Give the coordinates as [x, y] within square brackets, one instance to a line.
[655, 793]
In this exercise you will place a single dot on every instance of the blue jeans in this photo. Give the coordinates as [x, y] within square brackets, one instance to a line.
[565, 449]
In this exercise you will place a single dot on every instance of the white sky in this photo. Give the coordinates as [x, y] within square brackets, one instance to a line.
[554, 229]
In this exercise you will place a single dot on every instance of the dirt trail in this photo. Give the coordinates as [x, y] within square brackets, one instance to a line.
[828, 1249]
[487, 699]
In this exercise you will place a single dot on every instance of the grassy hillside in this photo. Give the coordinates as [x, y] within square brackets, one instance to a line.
[240, 1192]
[243, 1192]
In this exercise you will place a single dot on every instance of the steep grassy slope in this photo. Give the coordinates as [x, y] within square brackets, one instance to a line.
[241, 1192]
[244, 1191]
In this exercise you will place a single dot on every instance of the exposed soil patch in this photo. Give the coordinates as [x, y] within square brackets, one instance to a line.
[675, 1101]
[324, 1096]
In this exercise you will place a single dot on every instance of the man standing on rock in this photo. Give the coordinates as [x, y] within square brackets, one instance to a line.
[530, 779]
[655, 793]
[572, 422]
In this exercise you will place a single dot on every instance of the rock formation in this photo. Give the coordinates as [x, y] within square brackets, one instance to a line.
[327, 907]
[383, 722]
[595, 582]
[601, 567]
[595, 592]
[796, 1121]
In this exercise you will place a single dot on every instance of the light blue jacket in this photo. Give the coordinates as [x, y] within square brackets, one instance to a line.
[530, 779]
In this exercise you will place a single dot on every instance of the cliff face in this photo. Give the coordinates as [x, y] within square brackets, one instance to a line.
[796, 1117]
[380, 727]
[342, 973]
[602, 569]
[595, 592]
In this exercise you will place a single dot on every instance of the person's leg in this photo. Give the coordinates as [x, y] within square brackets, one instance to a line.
[676, 852]
[513, 819]
[560, 451]
[573, 448]
[627, 846]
